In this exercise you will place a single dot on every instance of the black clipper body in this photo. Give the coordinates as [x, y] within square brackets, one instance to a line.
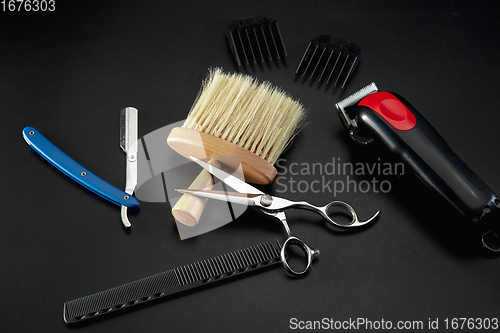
[407, 134]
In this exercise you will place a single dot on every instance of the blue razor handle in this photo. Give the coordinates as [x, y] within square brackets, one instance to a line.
[75, 171]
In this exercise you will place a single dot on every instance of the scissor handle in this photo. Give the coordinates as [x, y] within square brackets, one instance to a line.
[325, 211]
[309, 252]
[275, 204]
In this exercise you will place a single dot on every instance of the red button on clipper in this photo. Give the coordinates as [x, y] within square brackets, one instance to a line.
[391, 109]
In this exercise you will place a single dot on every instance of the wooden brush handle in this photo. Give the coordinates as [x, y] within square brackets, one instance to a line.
[189, 208]
[188, 142]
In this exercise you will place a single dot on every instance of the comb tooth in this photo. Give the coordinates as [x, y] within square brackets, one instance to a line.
[206, 269]
[303, 57]
[223, 268]
[224, 264]
[236, 260]
[333, 69]
[184, 278]
[239, 258]
[274, 40]
[274, 249]
[233, 46]
[267, 44]
[326, 65]
[354, 51]
[254, 256]
[230, 262]
[258, 44]
[282, 43]
[243, 48]
[253, 259]
[201, 269]
[271, 250]
[209, 267]
[261, 253]
[89, 308]
[341, 70]
[310, 60]
[317, 64]
[250, 45]
[227, 263]
[265, 249]
[181, 275]
[192, 273]
[278, 248]
[245, 257]
[249, 256]
[258, 253]
[202, 274]
[216, 266]
[199, 272]
[351, 69]
[132, 293]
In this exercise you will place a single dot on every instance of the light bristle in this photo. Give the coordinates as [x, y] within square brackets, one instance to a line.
[256, 116]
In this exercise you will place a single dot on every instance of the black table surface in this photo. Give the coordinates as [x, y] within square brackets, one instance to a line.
[70, 71]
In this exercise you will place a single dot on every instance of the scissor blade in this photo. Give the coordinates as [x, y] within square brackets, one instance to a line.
[228, 179]
[233, 197]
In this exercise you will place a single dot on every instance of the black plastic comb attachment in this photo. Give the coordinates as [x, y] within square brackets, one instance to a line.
[255, 40]
[172, 281]
[330, 60]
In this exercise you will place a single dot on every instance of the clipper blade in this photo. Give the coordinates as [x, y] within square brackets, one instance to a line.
[334, 60]
[350, 101]
[255, 40]
[357, 96]
[345, 113]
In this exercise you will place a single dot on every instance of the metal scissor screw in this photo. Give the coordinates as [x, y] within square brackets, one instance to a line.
[266, 200]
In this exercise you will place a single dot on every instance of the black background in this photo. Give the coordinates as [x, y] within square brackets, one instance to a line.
[69, 73]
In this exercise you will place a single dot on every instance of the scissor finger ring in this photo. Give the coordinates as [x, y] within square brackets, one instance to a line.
[355, 222]
[310, 255]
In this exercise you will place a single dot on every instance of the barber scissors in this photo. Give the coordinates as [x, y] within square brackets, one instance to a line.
[275, 206]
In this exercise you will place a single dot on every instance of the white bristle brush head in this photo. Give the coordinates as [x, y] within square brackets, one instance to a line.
[237, 108]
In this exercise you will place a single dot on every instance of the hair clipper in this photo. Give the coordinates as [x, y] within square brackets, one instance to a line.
[388, 117]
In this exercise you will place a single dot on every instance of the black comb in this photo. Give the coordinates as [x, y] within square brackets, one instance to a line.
[173, 281]
[334, 60]
[255, 40]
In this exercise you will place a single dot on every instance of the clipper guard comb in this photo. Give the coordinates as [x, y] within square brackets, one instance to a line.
[255, 40]
[334, 60]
